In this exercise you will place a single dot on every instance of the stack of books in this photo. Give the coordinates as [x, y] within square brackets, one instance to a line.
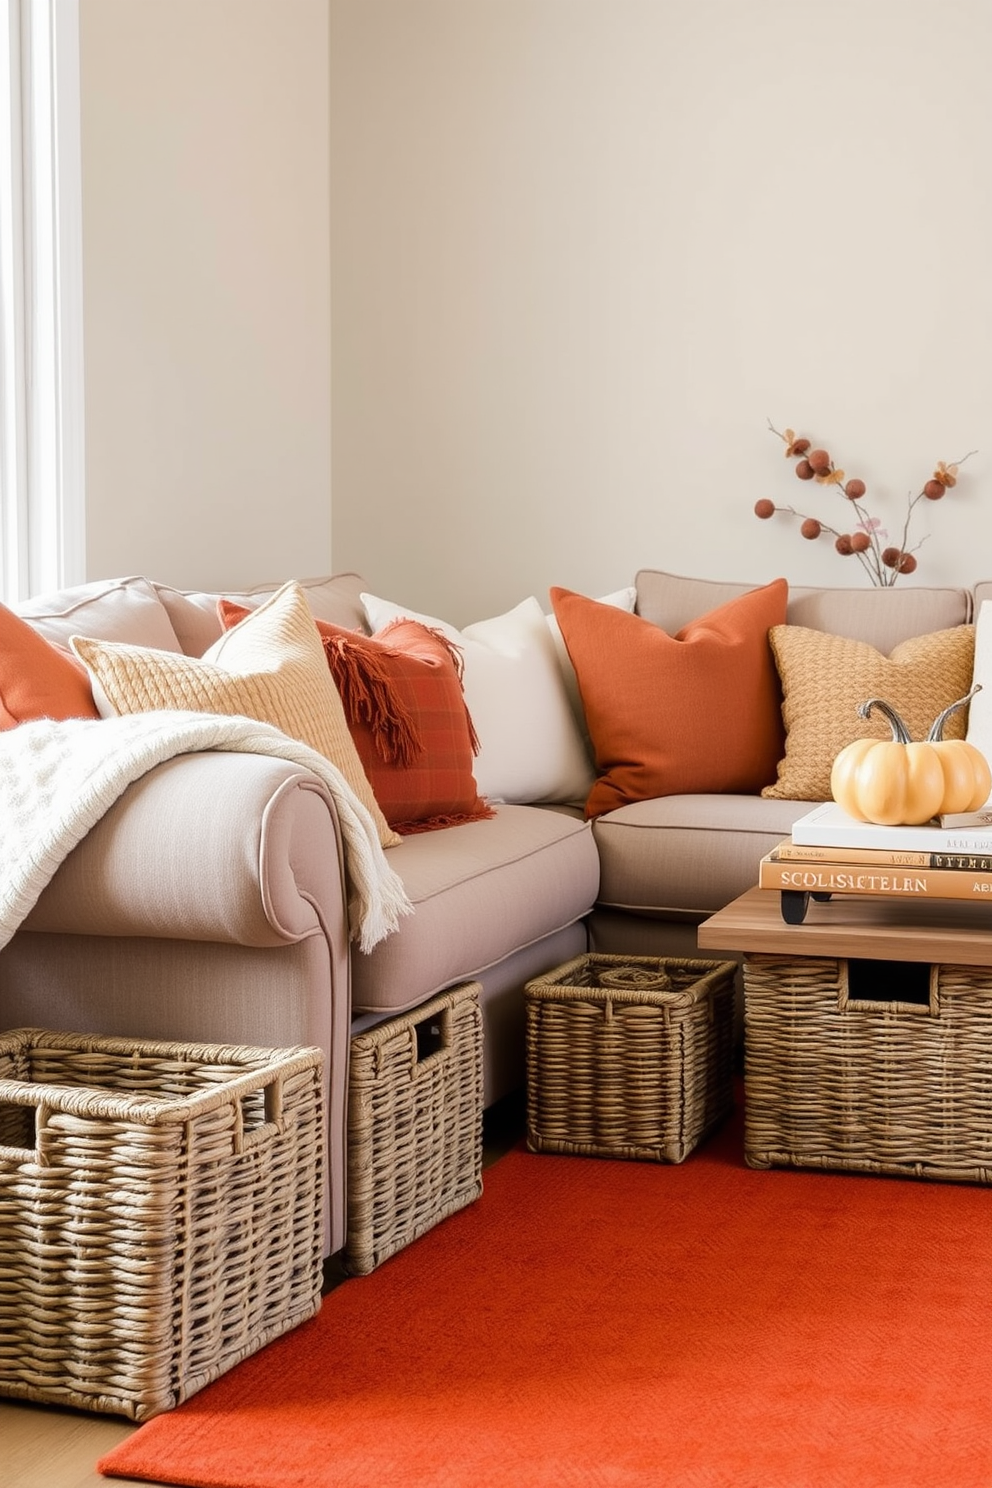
[830, 852]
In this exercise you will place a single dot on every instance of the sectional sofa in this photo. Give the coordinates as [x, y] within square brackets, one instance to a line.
[209, 901]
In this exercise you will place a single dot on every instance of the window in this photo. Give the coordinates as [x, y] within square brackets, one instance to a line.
[42, 534]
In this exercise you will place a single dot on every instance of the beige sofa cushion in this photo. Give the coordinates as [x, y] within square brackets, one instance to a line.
[882, 617]
[480, 892]
[981, 592]
[193, 612]
[109, 609]
[687, 856]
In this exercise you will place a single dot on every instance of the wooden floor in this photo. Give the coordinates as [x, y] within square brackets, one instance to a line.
[42, 1447]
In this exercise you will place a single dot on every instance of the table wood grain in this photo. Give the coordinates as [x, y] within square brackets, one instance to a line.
[894, 928]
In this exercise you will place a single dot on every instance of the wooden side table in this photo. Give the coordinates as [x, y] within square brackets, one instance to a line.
[867, 1034]
[882, 929]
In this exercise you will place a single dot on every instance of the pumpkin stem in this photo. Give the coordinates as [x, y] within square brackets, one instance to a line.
[937, 727]
[900, 733]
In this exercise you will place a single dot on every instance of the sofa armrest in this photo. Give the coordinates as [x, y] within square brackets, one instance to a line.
[240, 849]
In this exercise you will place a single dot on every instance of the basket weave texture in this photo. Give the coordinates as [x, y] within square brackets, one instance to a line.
[902, 1088]
[160, 1214]
[629, 1056]
[414, 1125]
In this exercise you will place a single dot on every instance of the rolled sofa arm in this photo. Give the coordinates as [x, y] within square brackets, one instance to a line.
[241, 849]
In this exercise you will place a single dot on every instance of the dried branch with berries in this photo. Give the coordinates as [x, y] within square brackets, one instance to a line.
[866, 539]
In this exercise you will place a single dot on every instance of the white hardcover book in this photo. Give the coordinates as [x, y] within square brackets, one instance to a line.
[828, 825]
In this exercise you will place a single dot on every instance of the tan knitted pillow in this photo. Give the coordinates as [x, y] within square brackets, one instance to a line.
[271, 668]
[825, 678]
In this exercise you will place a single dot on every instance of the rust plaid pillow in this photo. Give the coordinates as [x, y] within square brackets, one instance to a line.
[406, 712]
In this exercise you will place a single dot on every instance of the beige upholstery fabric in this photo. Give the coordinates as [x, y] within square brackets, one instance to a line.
[981, 592]
[881, 617]
[193, 612]
[687, 855]
[271, 667]
[109, 609]
[480, 892]
[825, 678]
[152, 864]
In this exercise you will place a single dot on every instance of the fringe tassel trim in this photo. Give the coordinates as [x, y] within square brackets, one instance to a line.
[433, 823]
[362, 679]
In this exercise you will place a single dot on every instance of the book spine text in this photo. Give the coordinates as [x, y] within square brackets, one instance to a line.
[856, 878]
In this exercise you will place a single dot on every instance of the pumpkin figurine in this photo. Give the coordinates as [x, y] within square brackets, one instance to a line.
[895, 782]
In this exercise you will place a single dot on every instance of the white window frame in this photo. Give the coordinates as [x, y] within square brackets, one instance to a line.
[42, 464]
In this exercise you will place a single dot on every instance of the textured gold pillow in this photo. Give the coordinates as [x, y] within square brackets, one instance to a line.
[826, 677]
[271, 668]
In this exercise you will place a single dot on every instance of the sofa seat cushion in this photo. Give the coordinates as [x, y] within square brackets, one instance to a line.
[480, 892]
[687, 856]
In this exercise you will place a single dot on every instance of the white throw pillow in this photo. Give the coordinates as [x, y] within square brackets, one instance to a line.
[531, 746]
[980, 708]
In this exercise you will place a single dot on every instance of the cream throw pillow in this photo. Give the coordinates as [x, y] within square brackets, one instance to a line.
[271, 668]
[826, 677]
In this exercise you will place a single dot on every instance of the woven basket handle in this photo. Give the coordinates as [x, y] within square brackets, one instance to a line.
[430, 1041]
[273, 1126]
[242, 1140]
[16, 1156]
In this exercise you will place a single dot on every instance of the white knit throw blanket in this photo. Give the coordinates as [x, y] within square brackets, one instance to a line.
[58, 779]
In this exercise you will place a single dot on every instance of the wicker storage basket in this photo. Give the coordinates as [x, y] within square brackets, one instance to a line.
[160, 1214]
[881, 1086]
[414, 1125]
[629, 1056]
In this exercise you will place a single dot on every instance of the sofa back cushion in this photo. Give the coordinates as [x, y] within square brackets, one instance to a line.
[882, 617]
[981, 592]
[108, 610]
[194, 616]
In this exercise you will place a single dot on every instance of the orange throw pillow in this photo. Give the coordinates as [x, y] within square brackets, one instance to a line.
[406, 713]
[37, 679]
[669, 715]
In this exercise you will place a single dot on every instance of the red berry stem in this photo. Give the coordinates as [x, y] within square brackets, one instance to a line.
[882, 565]
[825, 527]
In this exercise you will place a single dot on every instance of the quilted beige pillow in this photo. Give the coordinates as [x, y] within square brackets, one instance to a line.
[826, 677]
[271, 668]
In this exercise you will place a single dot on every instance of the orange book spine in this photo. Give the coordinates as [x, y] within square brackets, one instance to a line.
[862, 878]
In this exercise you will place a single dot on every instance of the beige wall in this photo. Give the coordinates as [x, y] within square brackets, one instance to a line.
[583, 250]
[206, 285]
[580, 252]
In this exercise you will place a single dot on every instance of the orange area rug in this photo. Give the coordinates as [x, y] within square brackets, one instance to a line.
[606, 1324]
